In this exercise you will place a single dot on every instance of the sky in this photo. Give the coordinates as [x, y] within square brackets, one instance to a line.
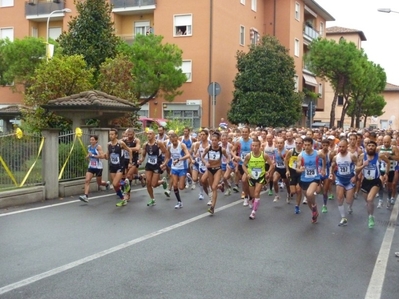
[380, 29]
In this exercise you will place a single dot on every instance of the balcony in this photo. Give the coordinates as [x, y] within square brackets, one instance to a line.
[310, 33]
[132, 7]
[39, 10]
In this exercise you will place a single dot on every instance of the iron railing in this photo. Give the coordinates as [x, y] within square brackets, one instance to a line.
[37, 7]
[131, 3]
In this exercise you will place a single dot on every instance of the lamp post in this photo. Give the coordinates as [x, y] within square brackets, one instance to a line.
[387, 10]
[47, 28]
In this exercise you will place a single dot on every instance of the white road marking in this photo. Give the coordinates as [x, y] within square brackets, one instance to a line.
[100, 254]
[374, 289]
[59, 204]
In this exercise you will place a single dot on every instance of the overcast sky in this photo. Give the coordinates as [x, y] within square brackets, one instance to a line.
[380, 29]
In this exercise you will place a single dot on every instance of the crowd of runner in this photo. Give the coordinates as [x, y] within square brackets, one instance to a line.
[295, 164]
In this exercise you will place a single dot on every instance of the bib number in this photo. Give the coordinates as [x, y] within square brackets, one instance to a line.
[93, 163]
[369, 174]
[310, 173]
[152, 160]
[343, 170]
[280, 164]
[256, 173]
[114, 158]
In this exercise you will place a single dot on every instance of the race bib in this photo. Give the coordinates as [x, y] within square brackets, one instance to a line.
[152, 159]
[198, 160]
[256, 173]
[294, 164]
[214, 156]
[344, 170]
[93, 163]
[310, 173]
[126, 154]
[114, 158]
[280, 164]
[369, 174]
[243, 154]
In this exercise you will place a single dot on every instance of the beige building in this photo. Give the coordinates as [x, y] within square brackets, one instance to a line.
[391, 93]
[209, 33]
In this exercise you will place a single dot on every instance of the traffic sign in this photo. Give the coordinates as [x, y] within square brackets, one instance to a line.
[214, 89]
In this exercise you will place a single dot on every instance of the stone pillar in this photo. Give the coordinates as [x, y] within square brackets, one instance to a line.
[102, 134]
[50, 163]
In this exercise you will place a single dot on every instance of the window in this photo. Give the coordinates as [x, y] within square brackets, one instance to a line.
[242, 2]
[320, 90]
[141, 27]
[254, 5]
[186, 113]
[6, 3]
[254, 36]
[54, 33]
[296, 81]
[182, 25]
[7, 33]
[321, 31]
[186, 68]
[297, 11]
[340, 100]
[242, 35]
[296, 47]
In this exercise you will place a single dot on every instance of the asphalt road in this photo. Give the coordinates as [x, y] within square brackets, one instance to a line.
[69, 249]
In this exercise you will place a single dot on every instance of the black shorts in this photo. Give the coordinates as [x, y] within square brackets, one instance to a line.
[116, 168]
[368, 184]
[260, 180]
[154, 168]
[282, 172]
[267, 167]
[391, 175]
[213, 170]
[240, 169]
[305, 185]
[95, 171]
[295, 177]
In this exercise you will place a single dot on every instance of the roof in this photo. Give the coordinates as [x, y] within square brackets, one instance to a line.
[342, 30]
[320, 10]
[92, 100]
[391, 87]
[12, 109]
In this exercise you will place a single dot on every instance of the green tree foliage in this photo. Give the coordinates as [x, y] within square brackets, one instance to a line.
[371, 105]
[91, 33]
[156, 70]
[60, 77]
[19, 59]
[337, 63]
[264, 86]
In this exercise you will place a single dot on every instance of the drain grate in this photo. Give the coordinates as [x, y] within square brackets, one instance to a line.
[387, 223]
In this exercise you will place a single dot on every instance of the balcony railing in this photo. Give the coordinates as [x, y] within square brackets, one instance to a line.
[310, 32]
[132, 3]
[36, 7]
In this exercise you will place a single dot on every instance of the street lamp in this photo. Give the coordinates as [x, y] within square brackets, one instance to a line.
[65, 10]
[387, 10]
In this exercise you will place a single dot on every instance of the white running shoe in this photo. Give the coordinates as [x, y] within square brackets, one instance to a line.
[305, 200]
[379, 205]
[276, 198]
[246, 203]
[228, 192]
[250, 203]
[252, 216]
[193, 186]
[209, 203]
[201, 197]
[179, 205]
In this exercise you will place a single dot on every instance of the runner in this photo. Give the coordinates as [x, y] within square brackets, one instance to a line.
[178, 153]
[369, 165]
[269, 149]
[199, 168]
[95, 154]
[291, 161]
[227, 168]
[154, 167]
[280, 170]
[188, 141]
[116, 163]
[254, 167]
[343, 165]
[326, 179]
[308, 166]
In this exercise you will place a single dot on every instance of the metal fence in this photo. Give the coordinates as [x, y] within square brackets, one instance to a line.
[20, 162]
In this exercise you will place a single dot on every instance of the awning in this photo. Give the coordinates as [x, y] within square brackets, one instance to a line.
[310, 80]
[183, 107]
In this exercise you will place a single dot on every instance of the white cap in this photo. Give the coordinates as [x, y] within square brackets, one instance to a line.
[331, 137]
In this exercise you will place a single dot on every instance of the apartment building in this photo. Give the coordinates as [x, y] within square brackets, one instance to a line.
[209, 32]
[390, 117]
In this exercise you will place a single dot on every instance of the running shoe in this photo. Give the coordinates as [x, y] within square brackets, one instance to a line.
[242, 195]
[270, 193]
[246, 202]
[331, 197]
[350, 210]
[392, 201]
[151, 203]
[397, 254]
[297, 210]
[193, 186]
[121, 203]
[201, 197]
[209, 203]
[211, 210]
[287, 200]
[210, 194]
[179, 205]
[343, 222]
[379, 205]
[252, 216]
[167, 193]
[355, 195]
[235, 189]
[276, 198]
[164, 183]
[315, 214]
[305, 200]
[126, 188]
[228, 192]
[108, 185]
[84, 198]
[250, 203]
[324, 209]
[187, 185]
[388, 203]
[371, 221]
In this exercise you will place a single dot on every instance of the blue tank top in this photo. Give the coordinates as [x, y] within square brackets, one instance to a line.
[311, 163]
[188, 143]
[245, 149]
[371, 171]
[279, 161]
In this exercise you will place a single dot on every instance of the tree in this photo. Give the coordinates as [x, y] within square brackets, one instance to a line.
[371, 105]
[60, 77]
[91, 33]
[156, 68]
[264, 86]
[337, 63]
[19, 59]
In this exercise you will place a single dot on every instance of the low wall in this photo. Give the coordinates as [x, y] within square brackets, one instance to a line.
[75, 187]
[21, 196]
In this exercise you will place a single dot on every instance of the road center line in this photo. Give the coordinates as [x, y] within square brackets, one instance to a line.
[100, 254]
[374, 289]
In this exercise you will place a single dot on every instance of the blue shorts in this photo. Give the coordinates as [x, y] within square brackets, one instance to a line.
[170, 163]
[230, 165]
[347, 185]
[179, 172]
[196, 167]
